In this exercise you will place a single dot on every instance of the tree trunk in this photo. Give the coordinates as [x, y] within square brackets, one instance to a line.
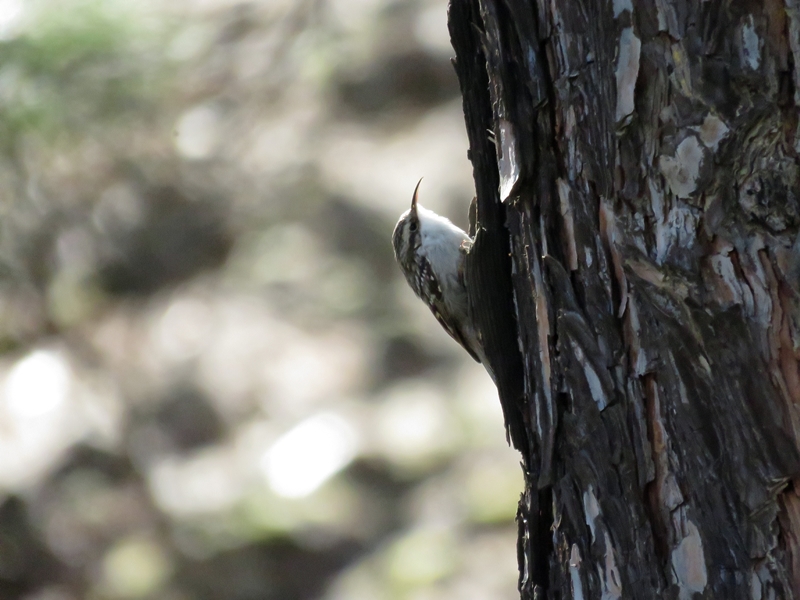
[636, 278]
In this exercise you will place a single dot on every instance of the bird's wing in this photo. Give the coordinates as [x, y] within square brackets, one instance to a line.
[454, 331]
[432, 294]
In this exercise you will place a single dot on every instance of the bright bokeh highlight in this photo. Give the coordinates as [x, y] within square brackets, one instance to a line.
[305, 457]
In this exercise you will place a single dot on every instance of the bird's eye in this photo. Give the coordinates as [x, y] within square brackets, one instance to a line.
[413, 226]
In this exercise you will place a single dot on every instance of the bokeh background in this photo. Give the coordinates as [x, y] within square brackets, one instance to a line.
[214, 382]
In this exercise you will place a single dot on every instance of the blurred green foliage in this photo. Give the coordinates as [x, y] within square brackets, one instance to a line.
[78, 65]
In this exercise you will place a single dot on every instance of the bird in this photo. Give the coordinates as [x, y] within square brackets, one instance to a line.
[432, 252]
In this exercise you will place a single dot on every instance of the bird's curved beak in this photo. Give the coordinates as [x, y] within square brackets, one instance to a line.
[415, 197]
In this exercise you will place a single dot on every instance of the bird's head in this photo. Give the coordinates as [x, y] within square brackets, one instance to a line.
[406, 237]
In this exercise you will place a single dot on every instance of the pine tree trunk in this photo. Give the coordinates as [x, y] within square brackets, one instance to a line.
[636, 278]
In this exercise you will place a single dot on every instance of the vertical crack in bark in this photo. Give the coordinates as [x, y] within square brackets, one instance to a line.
[489, 262]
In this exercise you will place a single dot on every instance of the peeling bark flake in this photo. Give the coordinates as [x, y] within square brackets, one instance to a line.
[726, 285]
[569, 224]
[574, 572]
[681, 75]
[790, 526]
[667, 493]
[637, 354]
[689, 563]
[627, 71]
[609, 236]
[755, 587]
[789, 367]
[592, 379]
[751, 45]
[545, 414]
[682, 170]
[507, 160]
[712, 131]
[621, 6]
[667, 19]
[591, 507]
[755, 279]
[657, 201]
[612, 584]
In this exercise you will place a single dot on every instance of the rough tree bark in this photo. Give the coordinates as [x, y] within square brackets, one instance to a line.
[636, 276]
